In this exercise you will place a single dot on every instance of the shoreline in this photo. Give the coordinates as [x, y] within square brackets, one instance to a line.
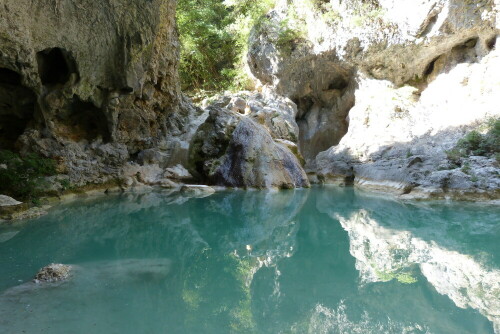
[388, 189]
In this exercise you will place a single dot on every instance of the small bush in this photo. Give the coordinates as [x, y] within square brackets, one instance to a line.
[475, 143]
[22, 176]
[288, 37]
[472, 144]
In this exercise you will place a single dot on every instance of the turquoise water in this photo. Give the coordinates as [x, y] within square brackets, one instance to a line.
[324, 260]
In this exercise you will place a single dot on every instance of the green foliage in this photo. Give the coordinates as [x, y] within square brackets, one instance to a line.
[23, 176]
[207, 48]
[466, 168]
[475, 143]
[288, 36]
[214, 35]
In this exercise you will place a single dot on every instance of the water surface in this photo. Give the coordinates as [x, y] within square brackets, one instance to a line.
[324, 260]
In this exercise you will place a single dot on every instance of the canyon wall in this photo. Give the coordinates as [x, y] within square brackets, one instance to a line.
[91, 84]
[385, 88]
[372, 93]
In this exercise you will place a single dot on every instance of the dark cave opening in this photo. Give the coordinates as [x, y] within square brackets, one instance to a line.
[490, 43]
[349, 179]
[322, 108]
[338, 84]
[430, 68]
[86, 121]
[55, 66]
[304, 104]
[17, 108]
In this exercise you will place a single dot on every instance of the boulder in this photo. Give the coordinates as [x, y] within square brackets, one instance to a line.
[233, 150]
[178, 172]
[6, 201]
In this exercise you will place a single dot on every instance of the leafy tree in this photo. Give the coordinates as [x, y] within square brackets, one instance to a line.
[214, 37]
[207, 47]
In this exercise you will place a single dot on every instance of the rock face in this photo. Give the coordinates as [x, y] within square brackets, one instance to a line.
[384, 88]
[92, 84]
[232, 150]
[276, 113]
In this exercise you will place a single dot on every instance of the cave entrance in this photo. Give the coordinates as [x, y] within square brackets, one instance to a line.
[322, 114]
[17, 108]
[55, 66]
[83, 121]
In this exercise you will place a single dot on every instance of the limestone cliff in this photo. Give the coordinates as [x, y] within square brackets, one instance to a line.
[384, 88]
[370, 92]
[91, 83]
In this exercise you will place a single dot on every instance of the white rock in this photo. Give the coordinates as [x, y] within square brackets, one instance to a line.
[8, 201]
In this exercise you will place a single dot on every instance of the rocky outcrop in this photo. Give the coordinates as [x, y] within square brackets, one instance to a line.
[276, 113]
[92, 84]
[230, 149]
[385, 88]
[197, 191]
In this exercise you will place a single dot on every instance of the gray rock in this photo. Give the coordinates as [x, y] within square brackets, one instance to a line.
[178, 173]
[384, 89]
[92, 103]
[238, 104]
[276, 113]
[232, 150]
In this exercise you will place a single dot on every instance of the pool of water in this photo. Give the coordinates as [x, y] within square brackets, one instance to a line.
[321, 260]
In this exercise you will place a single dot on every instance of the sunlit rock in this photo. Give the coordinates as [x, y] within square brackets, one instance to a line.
[379, 83]
[6, 201]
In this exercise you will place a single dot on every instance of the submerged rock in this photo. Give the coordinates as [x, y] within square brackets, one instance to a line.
[197, 190]
[30, 213]
[232, 150]
[53, 273]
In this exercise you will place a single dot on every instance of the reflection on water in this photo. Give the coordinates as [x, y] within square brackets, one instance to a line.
[324, 260]
[383, 254]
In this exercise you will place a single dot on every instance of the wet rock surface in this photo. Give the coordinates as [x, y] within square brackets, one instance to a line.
[53, 273]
